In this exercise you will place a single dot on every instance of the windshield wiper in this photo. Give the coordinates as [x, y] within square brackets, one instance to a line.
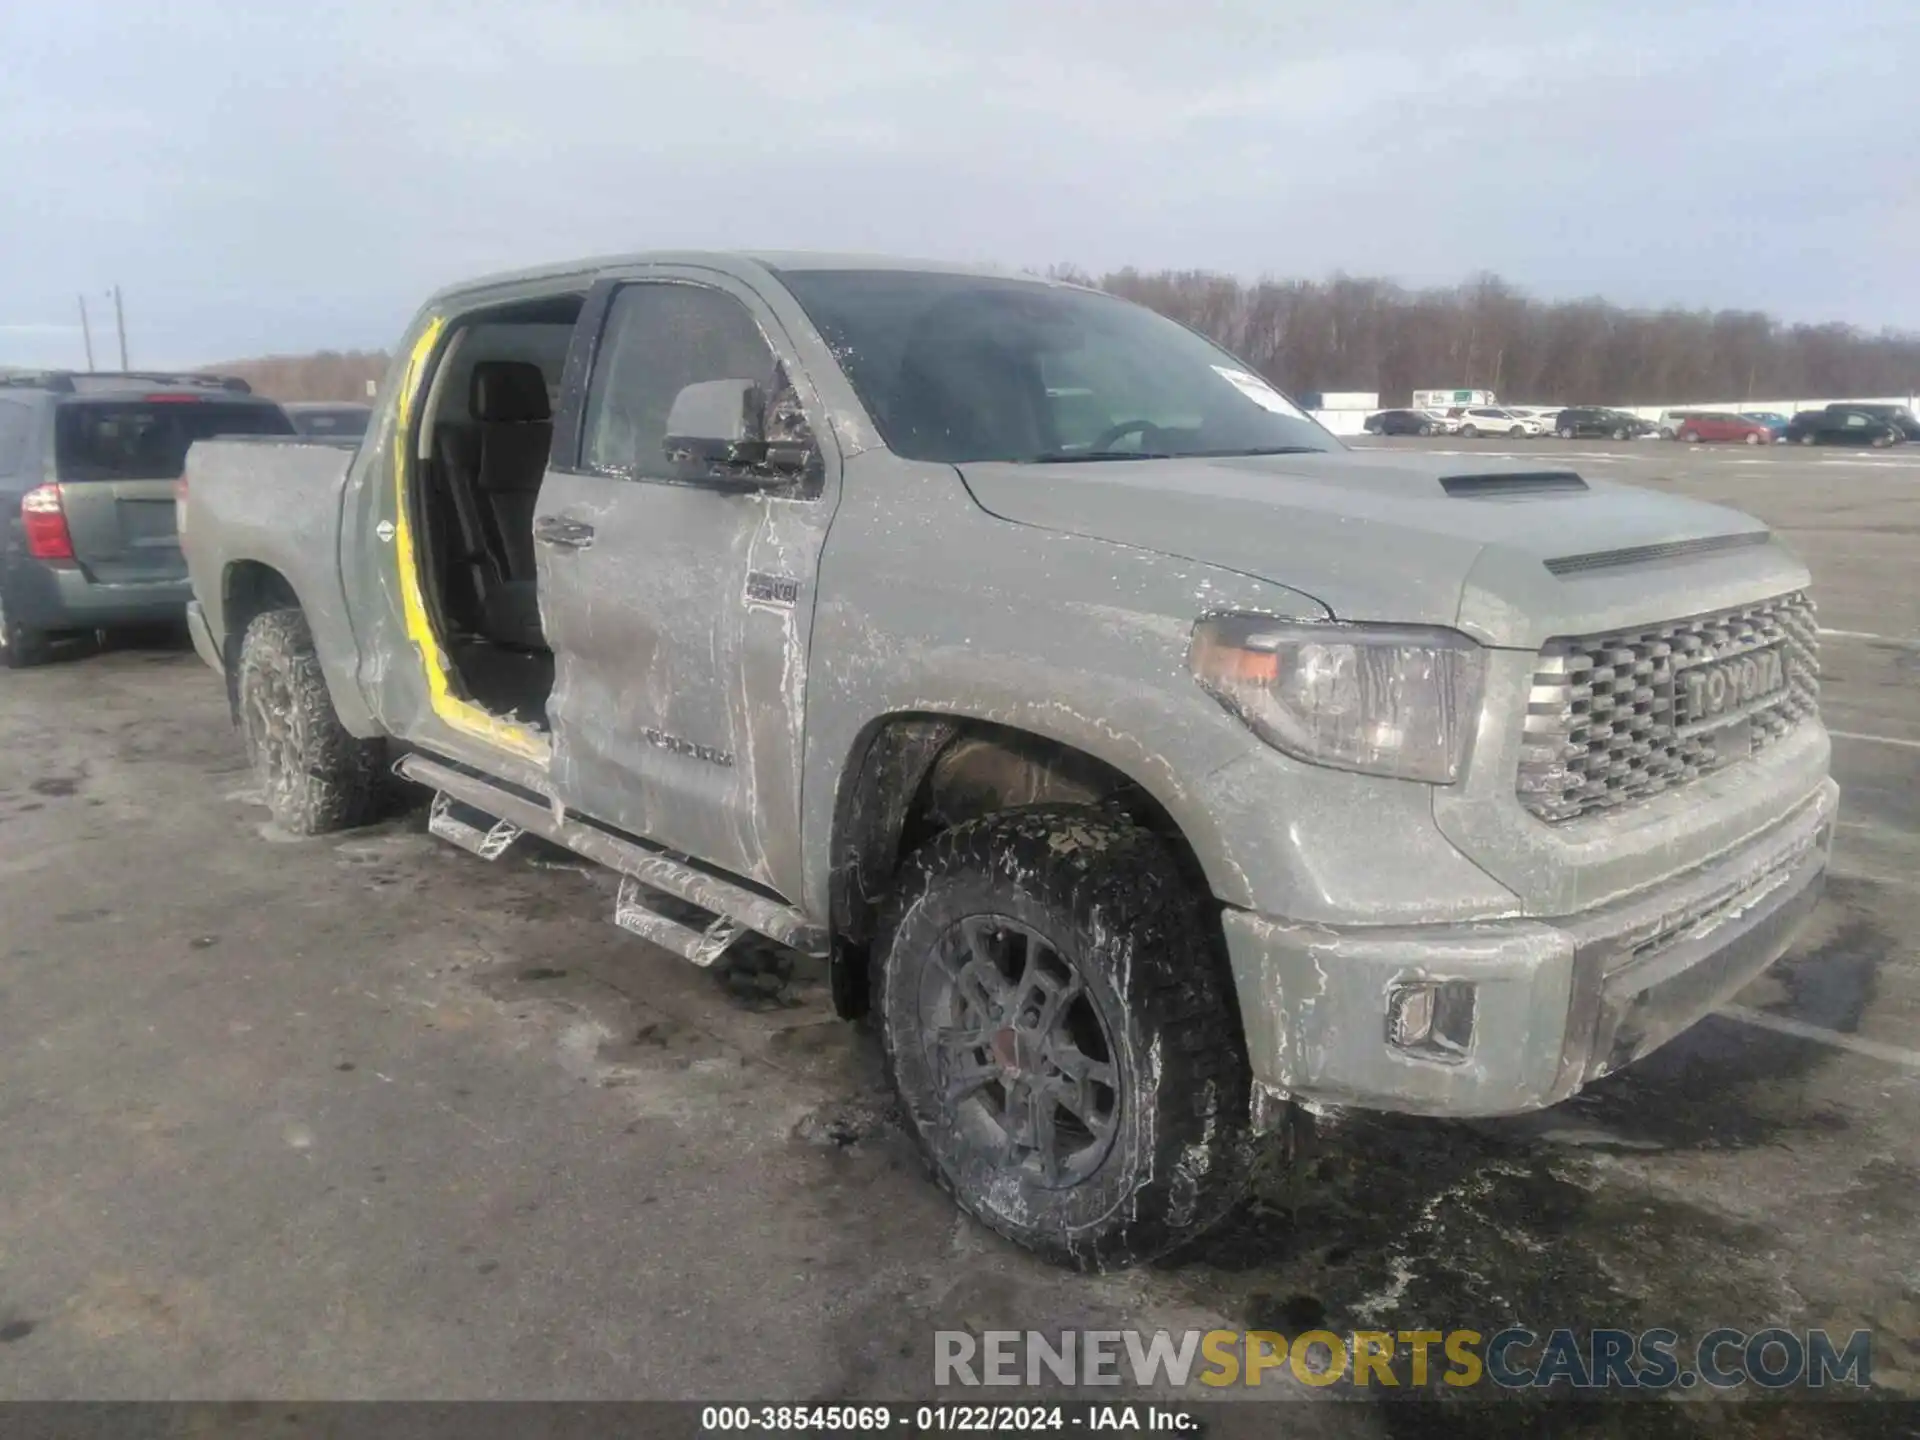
[1074, 457]
[1262, 450]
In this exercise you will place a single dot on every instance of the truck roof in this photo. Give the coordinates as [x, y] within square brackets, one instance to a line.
[774, 260]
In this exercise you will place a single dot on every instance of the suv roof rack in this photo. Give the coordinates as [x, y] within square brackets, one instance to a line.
[64, 381]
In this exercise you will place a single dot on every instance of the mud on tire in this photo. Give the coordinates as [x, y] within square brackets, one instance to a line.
[1059, 1026]
[315, 776]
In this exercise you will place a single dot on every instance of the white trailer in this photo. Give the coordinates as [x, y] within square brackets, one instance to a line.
[1444, 400]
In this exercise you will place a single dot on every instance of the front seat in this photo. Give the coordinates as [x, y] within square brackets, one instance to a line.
[514, 434]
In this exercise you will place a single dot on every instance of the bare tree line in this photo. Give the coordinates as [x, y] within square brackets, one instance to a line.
[323, 375]
[1349, 333]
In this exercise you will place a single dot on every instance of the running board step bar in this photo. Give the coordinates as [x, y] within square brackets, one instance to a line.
[453, 820]
[631, 912]
[654, 869]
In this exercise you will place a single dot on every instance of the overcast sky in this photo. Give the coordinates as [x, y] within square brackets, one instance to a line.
[265, 177]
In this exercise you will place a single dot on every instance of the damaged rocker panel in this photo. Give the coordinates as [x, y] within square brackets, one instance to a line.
[629, 858]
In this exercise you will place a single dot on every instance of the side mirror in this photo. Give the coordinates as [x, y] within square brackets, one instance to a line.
[716, 435]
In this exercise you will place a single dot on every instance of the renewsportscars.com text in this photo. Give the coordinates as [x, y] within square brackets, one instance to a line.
[1514, 1358]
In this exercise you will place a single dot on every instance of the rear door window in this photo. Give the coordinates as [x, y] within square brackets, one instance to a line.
[148, 439]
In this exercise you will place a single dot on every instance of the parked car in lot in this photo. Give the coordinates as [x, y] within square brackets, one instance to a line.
[1582, 421]
[1477, 420]
[1898, 416]
[328, 419]
[88, 464]
[1404, 422]
[1721, 425]
[1772, 419]
[1145, 759]
[1843, 425]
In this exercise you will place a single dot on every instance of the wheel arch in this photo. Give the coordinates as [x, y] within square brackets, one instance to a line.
[248, 590]
[912, 775]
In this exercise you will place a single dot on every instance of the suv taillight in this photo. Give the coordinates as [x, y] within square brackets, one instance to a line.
[180, 507]
[45, 521]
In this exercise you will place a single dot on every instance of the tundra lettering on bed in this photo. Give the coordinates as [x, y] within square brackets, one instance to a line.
[1144, 759]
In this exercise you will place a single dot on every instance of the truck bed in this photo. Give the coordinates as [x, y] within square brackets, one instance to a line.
[273, 504]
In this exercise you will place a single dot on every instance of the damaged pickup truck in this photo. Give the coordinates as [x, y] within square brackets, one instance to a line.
[1145, 759]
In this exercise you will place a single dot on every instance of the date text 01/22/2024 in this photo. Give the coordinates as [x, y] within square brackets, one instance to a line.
[944, 1419]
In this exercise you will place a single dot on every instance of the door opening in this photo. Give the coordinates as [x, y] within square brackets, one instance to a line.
[480, 452]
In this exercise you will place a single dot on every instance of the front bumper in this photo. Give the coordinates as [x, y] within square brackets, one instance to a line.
[1555, 1003]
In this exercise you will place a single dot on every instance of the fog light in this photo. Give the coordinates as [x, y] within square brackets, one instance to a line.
[1431, 1018]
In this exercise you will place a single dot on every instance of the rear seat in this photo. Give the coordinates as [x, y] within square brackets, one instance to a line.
[500, 461]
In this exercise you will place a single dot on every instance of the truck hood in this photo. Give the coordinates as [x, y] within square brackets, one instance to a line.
[1509, 552]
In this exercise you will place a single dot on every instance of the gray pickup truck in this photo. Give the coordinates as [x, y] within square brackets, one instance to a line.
[1147, 761]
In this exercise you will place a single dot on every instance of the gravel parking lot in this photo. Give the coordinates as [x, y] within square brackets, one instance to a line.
[364, 1117]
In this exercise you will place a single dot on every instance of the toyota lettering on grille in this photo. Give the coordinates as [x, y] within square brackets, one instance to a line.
[1727, 687]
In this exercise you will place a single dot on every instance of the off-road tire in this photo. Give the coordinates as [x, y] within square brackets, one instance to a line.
[21, 647]
[1113, 904]
[314, 776]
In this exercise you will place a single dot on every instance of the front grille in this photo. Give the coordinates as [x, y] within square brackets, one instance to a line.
[1610, 717]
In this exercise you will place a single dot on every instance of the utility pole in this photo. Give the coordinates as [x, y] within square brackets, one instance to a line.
[86, 332]
[120, 321]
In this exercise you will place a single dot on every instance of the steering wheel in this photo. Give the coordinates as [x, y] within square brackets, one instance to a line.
[1105, 439]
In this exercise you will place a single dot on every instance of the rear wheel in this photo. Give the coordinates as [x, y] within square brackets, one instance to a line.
[1809, 438]
[19, 646]
[315, 776]
[1060, 1028]
[1469, 432]
[1692, 437]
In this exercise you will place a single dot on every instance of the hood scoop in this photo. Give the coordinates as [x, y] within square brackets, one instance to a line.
[1652, 554]
[1502, 485]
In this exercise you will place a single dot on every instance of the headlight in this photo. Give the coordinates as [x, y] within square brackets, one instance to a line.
[1383, 700]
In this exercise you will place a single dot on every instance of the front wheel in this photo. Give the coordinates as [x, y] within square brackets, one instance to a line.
[1621, 433]
[1059, 1025]
[1517, 432]
[1753, 439]
[1425, 431]
[314, 775]
[1882, 442]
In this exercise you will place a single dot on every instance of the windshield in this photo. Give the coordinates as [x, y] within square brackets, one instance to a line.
[148, 440]
[961, 368]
